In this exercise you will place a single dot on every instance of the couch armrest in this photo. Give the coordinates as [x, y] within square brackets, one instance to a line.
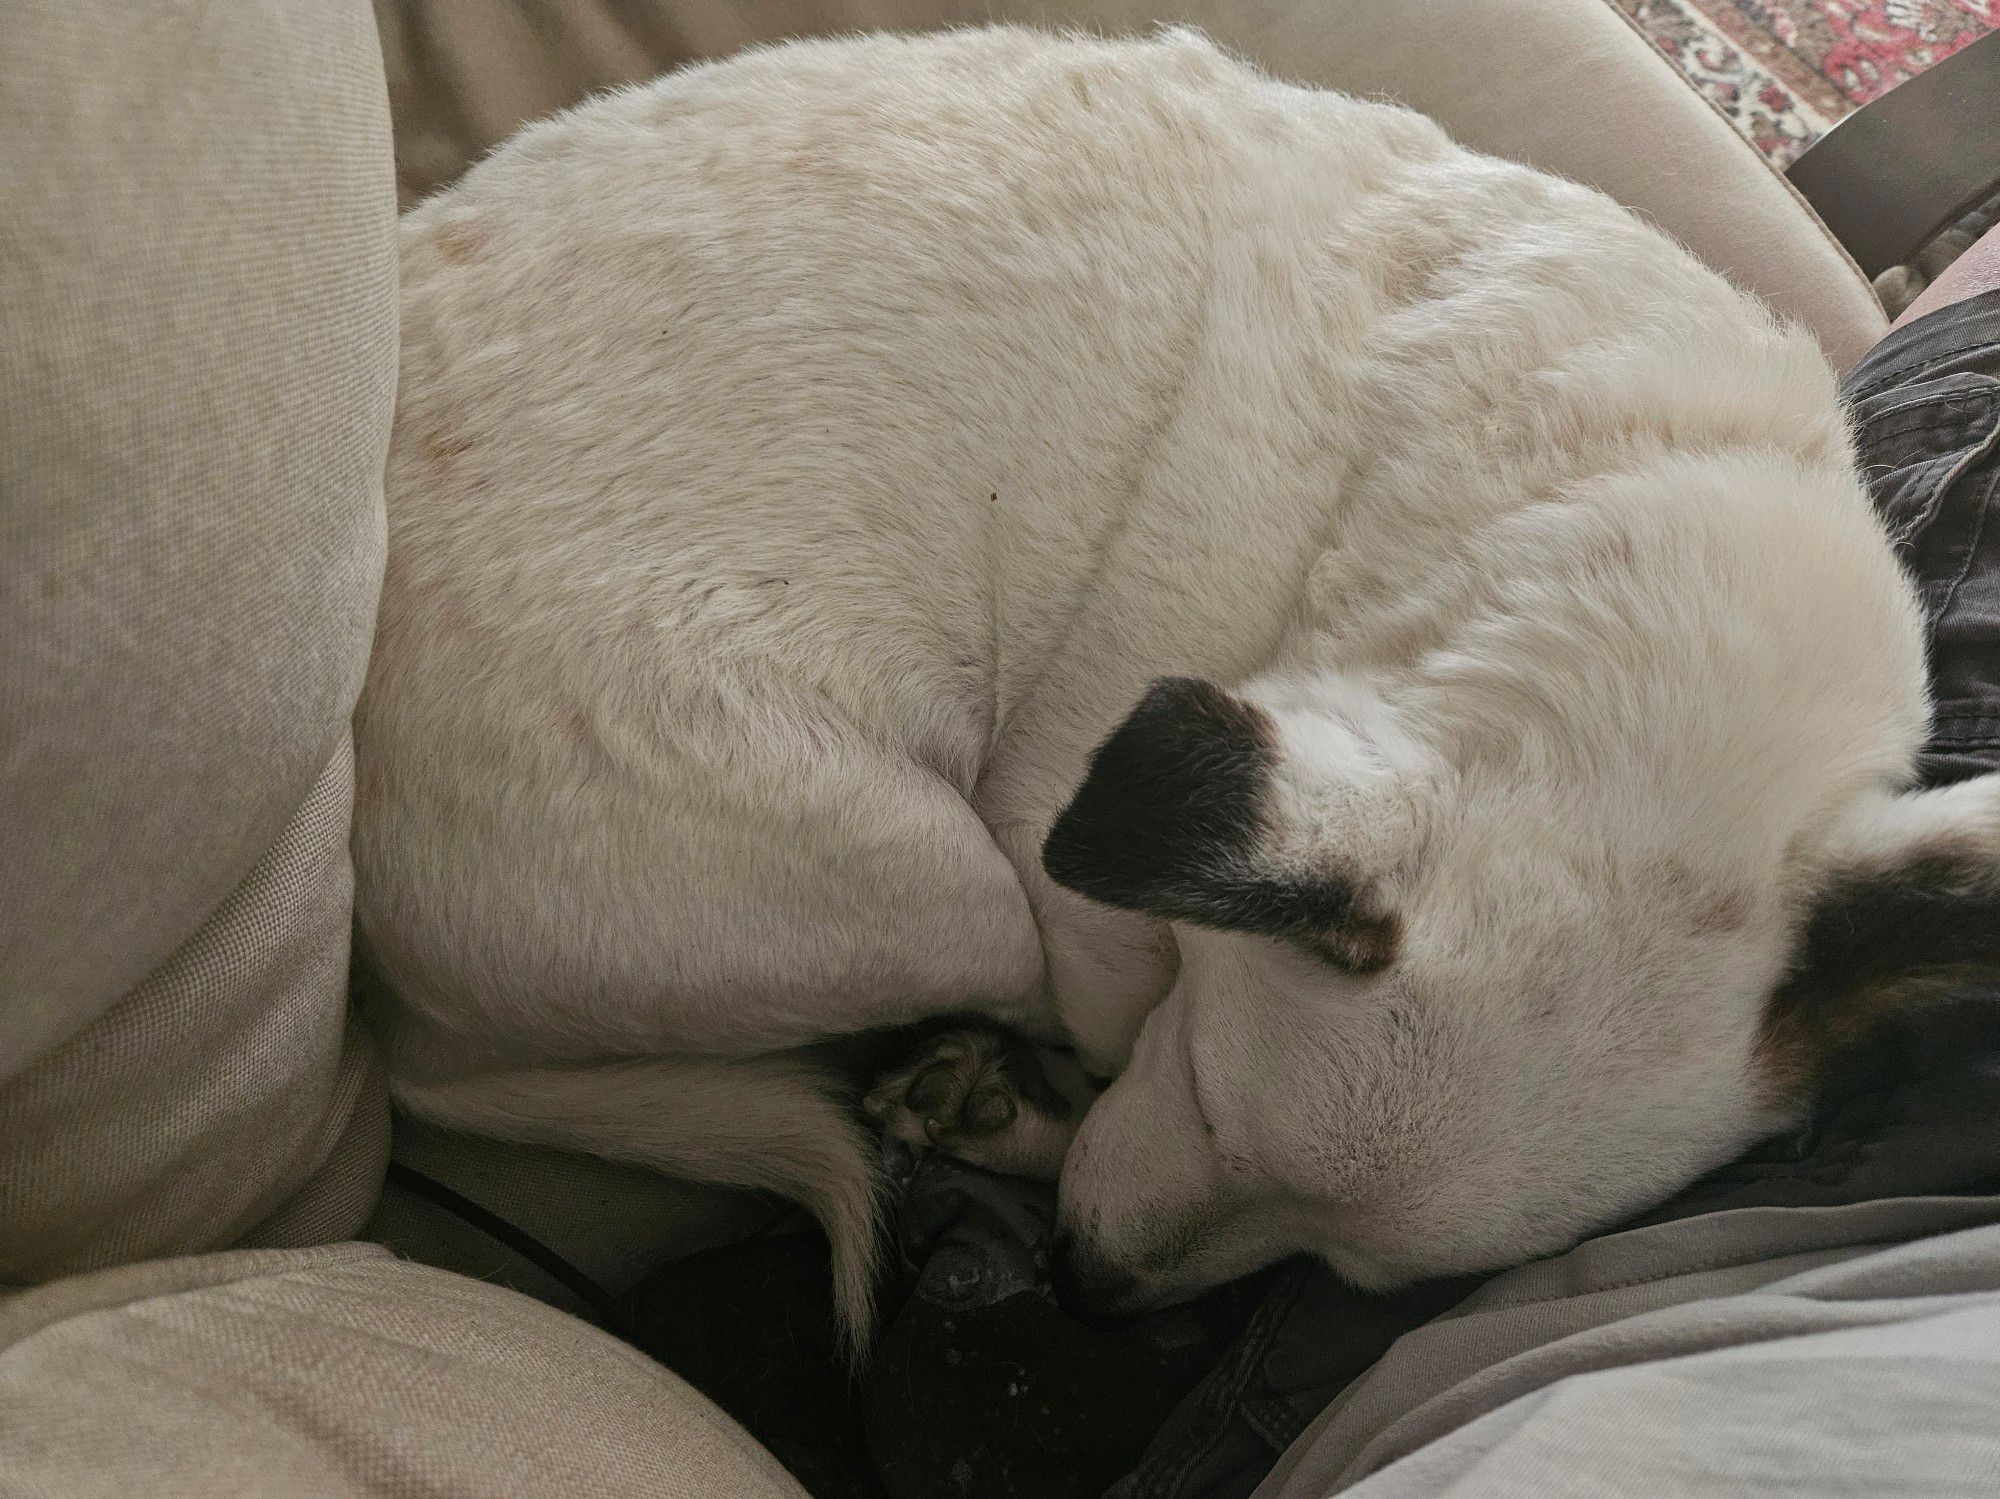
[1890, 176]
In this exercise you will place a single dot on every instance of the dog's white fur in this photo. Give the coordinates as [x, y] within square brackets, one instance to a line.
[802, 462]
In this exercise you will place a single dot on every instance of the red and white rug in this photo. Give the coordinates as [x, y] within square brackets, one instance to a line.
[1786, 70]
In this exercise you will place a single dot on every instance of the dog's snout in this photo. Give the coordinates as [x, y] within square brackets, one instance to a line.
[1087, 1286]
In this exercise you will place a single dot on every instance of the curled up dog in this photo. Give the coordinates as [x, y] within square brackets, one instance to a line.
[1375, 647]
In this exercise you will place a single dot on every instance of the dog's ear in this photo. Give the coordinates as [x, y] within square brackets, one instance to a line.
[1909, 908]
[1172, 820]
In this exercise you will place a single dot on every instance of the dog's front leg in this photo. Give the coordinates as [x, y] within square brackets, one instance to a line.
[988, 1095]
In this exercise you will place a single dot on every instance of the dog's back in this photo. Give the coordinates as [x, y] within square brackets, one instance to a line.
[775, 446]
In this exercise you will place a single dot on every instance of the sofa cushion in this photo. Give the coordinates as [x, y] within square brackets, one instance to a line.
[343, 1371]
[197, 265]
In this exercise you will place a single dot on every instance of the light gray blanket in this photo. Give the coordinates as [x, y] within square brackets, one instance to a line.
[1735, 1355]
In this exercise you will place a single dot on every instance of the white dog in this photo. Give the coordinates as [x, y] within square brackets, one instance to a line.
[803, 464]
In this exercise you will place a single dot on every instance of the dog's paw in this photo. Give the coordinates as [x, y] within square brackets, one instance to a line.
[983, 1094]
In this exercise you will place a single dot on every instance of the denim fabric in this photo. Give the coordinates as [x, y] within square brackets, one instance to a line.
[1926, 407]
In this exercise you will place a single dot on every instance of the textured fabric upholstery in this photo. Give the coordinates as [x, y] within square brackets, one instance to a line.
[196, 380]
[343, 1371]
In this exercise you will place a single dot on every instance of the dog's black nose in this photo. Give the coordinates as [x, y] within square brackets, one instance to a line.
[1087, 1287]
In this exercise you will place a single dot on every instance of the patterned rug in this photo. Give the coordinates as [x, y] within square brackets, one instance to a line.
[1786, 70]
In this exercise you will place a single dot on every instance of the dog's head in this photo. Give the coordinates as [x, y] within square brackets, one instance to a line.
[1430, 1021]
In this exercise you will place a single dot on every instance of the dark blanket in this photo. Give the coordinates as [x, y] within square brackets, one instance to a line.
[981, 1386]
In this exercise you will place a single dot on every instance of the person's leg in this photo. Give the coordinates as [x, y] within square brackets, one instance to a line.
[1976, 271]
[1926, 409]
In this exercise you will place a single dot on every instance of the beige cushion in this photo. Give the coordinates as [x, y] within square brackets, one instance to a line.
[343, 1371]
[196, 266]
[1568, 85]
[462, 78]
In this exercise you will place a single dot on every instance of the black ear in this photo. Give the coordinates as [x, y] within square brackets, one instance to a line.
[1896, 925]
[1169, 820]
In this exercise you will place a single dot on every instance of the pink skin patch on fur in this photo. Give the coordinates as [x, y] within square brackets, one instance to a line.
[458, 243]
